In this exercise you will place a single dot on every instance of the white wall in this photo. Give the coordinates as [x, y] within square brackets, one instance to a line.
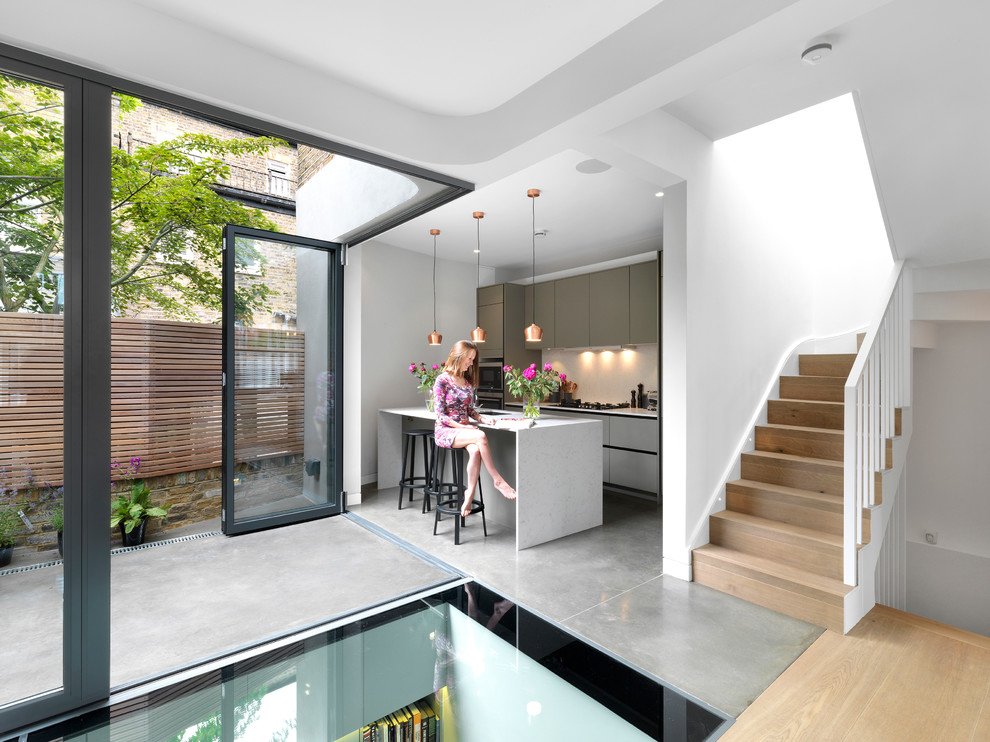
[396, 317]
[777, 217]
[949, 474]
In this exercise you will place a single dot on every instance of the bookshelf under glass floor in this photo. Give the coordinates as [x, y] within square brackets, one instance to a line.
[457, 665]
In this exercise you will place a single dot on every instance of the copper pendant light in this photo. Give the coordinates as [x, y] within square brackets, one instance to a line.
[534, 333]
[435, 338]
[477, 334]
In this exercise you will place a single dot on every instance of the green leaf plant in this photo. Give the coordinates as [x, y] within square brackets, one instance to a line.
[133, 506]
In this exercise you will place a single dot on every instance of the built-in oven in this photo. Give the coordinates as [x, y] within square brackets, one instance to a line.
[490, 376]
[489, 400]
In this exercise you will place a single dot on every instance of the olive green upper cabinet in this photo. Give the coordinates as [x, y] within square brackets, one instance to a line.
[643, 302]
[541, 311]
[490, 295]
[571, 312]
[609, 303]
[490, 319]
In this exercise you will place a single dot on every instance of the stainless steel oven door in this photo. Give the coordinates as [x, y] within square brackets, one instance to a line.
[489, 400]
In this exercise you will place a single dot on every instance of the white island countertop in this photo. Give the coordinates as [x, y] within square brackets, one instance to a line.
[554, 408]
[555, 467]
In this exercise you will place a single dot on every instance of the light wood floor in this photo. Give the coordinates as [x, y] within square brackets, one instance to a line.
[894, 677]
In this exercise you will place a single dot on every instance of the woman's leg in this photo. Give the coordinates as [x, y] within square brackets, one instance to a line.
[465, 438]
[473, 470]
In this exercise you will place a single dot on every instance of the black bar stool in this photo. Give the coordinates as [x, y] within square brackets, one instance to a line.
[411, 481]
[450, 494]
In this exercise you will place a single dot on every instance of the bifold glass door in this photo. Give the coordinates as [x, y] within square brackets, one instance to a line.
[282, 339]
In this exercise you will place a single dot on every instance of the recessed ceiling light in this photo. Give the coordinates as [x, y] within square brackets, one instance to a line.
[658, 194]
[592, 166]
[816, 53]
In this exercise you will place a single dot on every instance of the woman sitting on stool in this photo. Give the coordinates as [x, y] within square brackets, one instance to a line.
[453, 404]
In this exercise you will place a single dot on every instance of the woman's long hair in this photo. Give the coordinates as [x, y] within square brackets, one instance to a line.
[456, 358]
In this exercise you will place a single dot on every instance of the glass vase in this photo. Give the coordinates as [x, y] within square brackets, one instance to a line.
[531, 406]
[429, 401]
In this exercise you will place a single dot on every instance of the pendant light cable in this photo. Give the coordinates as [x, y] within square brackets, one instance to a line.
[434, 283]
[534, 333]
[435, 338]
[478, 335]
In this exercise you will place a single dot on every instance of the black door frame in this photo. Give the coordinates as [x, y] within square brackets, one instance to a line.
[335, 347]
[86, 601]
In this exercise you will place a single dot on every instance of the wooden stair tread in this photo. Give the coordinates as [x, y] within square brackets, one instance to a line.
[821, 498]
[798, 459]
[781, 528]
[835, 589]
[809, 401]
[803, 428]
[810, 498]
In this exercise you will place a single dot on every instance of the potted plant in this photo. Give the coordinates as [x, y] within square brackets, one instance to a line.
[427, 378]
[10, 524]
[56, 517]
[133, 506]
[533, 385]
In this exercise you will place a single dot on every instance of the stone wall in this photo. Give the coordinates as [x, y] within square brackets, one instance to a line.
[195, 496]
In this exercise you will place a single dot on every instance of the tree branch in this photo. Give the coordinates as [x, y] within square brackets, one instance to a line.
[163, 231]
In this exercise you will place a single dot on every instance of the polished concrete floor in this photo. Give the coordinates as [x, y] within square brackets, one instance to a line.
[606, 584]
[181, 602]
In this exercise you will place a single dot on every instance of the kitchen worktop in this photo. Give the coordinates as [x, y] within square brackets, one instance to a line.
[555, 467]
[553, 407]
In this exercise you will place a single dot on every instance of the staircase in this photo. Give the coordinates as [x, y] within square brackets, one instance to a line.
[778, 543]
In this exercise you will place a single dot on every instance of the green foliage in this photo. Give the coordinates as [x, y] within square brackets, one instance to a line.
[166, 217]
[56, 516]
[10, 524]
[135, 505]
[31, 193]
[427, 375]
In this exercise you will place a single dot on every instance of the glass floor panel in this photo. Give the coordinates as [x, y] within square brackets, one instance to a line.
[459, 665]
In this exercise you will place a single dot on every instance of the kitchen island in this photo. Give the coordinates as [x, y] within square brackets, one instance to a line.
[554, 466]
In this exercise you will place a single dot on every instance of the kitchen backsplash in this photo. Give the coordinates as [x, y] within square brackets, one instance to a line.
[607, 375]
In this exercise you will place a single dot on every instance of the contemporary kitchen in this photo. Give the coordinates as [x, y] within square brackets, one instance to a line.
[598, 431]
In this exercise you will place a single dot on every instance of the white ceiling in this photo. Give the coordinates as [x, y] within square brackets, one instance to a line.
[512, 96]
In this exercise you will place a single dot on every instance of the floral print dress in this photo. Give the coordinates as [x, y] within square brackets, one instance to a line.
[451, 403]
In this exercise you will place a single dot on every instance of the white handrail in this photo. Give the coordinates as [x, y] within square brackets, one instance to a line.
[877, 385]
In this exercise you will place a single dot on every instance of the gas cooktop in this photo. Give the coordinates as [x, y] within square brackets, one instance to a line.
[594, 405]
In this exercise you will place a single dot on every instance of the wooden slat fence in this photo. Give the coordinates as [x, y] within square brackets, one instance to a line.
[165, 398]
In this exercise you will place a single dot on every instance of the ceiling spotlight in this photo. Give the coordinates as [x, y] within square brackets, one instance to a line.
[658, 194]
[816, 53]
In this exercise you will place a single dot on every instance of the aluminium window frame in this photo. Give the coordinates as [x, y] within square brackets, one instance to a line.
[86, 442]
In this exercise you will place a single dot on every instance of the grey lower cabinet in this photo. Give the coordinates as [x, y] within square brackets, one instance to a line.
[630, 451]
[633, 450]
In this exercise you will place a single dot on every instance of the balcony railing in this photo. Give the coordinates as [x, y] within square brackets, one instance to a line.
[241, 178]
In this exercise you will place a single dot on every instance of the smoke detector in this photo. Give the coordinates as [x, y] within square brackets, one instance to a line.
[816, 53]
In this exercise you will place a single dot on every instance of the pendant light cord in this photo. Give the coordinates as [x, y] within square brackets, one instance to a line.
[477, 322]
[534, 248]
[434, 283]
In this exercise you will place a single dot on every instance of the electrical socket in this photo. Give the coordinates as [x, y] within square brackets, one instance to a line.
[931, 537]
